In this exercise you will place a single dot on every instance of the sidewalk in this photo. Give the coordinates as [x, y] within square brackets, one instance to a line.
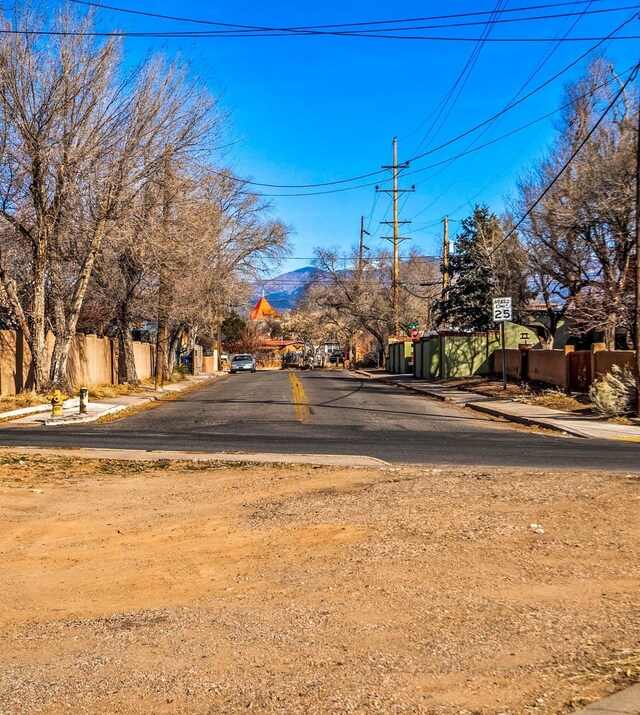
[41, 414]
[626, 702]
[531, 415]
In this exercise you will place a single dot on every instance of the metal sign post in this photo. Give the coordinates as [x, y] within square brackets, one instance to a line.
[502, 313]
[504, 357]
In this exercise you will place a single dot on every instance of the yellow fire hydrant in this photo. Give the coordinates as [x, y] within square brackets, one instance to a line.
[56, 404]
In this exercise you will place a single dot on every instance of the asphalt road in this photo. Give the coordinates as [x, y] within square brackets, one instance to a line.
[329, 413]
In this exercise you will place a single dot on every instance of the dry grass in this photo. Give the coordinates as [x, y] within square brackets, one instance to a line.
[98, 392]
[529, 393]
[556, 399]
[29, 398]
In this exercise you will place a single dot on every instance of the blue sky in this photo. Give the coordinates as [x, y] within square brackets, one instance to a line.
[311, 109]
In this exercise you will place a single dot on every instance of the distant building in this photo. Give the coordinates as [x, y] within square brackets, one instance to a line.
[263, 311]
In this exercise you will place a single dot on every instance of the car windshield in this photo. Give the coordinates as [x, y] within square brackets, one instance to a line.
[242, 358]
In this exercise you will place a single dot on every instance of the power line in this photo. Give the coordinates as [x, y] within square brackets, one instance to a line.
[241, 30]
[443, 145]
[319, 27]
[532, 92]
[540, 65]
[575, 153]
[461, 80]
[463, 77]
[203, 35]
[448, 160]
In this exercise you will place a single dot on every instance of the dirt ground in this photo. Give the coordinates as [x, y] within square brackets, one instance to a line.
[200, 588]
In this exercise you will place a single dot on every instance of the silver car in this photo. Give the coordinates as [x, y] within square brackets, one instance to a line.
[242, 363]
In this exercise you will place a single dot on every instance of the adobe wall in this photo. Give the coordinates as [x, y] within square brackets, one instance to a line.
[606, 359]
[512, 362]
[548, 366]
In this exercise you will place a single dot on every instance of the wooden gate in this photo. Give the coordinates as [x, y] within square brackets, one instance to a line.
[580, 376]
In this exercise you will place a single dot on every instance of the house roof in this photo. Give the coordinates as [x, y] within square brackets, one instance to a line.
[281, 343]
[262, 310]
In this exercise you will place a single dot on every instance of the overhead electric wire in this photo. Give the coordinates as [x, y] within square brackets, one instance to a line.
[461, 80]
[540, 65]
[457, 156]
[310, 30]
[519, 101]
[467, 132]
[198, 21]
[567, 163]
[202, 35]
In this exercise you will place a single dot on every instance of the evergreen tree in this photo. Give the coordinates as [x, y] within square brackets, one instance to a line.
[233, 328]
[478, 273]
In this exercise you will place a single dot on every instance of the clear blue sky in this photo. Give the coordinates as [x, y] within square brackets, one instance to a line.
[311, 109]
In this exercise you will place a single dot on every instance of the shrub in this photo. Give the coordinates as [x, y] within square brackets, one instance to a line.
[614, 394]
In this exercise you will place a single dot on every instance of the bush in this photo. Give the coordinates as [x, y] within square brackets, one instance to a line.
[614, 394]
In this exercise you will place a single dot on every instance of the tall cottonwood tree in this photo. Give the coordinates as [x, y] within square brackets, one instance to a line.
[79, 139]
[581, 236]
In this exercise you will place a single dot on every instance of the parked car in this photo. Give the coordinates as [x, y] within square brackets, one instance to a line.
[336, 357]
[242, 362]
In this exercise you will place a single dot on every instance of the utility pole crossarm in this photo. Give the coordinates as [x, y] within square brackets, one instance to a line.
[395, 223]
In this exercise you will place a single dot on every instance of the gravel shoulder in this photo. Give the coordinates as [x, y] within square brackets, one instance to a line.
[169, 587]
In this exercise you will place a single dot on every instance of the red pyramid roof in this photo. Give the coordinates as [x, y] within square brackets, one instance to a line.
[262, 310]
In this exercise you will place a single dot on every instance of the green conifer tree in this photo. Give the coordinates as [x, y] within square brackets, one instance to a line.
[482, 268]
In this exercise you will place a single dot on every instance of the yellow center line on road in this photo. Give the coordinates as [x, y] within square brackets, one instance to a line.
[303, 410]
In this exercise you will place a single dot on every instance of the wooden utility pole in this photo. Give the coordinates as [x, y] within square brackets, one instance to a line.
[637, 340]
[396, 238]
[363, 233]
[445, 256]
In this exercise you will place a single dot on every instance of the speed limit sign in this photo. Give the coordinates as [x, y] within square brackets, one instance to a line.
[501, 309]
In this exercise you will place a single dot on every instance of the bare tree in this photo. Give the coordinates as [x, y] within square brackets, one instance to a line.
[359, 293]
[580, 237]
[81, 139]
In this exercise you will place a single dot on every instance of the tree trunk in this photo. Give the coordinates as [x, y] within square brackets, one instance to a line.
[63, 344]
[173, 347]
[610, 331]
[126, 341]
[59, 361]
[38, 343]
[162, 336]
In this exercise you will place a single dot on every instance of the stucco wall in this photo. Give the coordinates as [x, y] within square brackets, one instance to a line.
[512, 360]
[606, 359]
[548, 366]
[92, 361]
[144, 356]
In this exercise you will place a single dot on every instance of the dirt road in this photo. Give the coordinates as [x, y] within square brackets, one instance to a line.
[164, 588]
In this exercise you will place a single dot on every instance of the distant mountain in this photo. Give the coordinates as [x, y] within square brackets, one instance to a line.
[284, 291]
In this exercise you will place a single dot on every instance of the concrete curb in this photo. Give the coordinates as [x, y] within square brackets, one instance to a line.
[34, 409]
[138, 455]
[171, 391]
[521, 419]
[626, 702]
[81, 419]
